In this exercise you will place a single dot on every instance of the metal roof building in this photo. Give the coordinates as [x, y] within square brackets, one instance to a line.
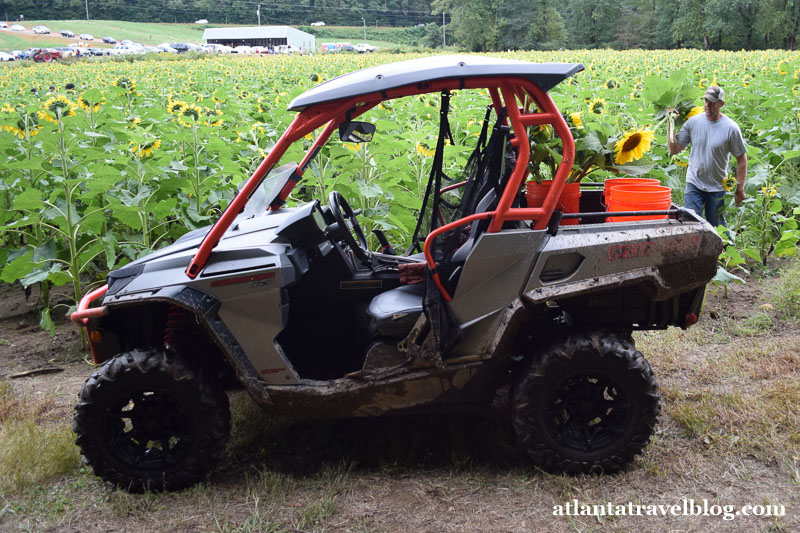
[261, 36]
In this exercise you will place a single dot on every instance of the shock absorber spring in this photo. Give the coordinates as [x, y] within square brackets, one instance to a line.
[179, 327]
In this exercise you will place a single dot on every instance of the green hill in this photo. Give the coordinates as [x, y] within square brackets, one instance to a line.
[157, 33]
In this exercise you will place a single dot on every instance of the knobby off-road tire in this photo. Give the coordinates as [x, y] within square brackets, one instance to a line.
[147, 421]
[588, 403]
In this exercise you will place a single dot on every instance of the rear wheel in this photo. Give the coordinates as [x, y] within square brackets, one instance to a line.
[588, 403]
[147, 421]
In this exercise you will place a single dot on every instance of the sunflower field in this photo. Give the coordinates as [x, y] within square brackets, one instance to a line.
[103, 162]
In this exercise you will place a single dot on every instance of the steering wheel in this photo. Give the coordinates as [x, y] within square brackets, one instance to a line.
[342, 213]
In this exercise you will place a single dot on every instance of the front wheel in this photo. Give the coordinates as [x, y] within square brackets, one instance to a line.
[588, 403]
[147, 421]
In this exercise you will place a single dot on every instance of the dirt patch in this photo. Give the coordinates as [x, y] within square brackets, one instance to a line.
[457, 473]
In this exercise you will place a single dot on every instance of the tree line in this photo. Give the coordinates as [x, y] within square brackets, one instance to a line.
[484, 25]
[481, 25]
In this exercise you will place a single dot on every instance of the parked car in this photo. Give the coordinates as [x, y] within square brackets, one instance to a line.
[67, 33]
[180, 47]
[364, 47]
[109, 40]
[85, 37]
[212, 48]
[201, 21]
[17, 27]
[41, 29]
[20, 54]
[95, 51]
[152, 50]
[3, 25]
[6, 57]
[124, 49]
[241, 49]
[318, 23]
[165, 47]
[67, 51]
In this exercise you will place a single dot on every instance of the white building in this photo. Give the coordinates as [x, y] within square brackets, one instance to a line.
[272, 36]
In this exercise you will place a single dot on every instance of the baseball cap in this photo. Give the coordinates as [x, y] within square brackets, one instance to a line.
[714, 94]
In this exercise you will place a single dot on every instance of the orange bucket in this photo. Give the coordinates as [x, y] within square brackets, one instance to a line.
[616, 182]
[569, 202]
[639, 198]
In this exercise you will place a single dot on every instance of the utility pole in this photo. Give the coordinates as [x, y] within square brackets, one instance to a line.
[443, 38]
[87, 10]
[365, 27]
[258, 13]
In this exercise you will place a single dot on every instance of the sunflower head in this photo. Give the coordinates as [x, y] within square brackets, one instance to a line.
[769, 191]
[213, 117]
[145, 150]
[611, 83]
[632, 146]
[92, 107]
[424, 151]
[729, 183]
[174, 106]
[597, 106]
[577, 119]
[189, 114]
[696, 110]
[126, 83]
[58, 107]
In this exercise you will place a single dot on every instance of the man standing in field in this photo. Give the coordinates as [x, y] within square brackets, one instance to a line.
[714, 138]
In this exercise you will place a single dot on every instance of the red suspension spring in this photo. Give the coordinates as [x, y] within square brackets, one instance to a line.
[179, 327]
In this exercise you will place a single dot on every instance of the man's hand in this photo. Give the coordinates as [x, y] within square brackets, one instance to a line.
[738, 196]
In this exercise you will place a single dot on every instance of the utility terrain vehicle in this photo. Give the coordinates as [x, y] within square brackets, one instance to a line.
[292, 305]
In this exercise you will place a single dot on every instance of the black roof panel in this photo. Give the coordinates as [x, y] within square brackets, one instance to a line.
[393, 75]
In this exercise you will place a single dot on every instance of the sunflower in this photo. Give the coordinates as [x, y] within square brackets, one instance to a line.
[597, 106]
[424, 151]
[703, 83]
[632, 146]
[213, 117]
[174, 106]
[796, 89]
[746, 80]
[729, 183]
[576, 119]
[192, 112]
[769, 191]
[93, 107]
[696, 110]
[146, 149]
[780, 69]
[126, 83]
[58, 107]
[611, 83]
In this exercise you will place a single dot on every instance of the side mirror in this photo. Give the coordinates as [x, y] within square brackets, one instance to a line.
[356, 132]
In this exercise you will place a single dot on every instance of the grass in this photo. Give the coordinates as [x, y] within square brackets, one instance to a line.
[728, 432]
[140, 32]
[33, 450]
[786, 295]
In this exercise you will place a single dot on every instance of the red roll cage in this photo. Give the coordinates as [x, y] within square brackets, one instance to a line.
[519, 95]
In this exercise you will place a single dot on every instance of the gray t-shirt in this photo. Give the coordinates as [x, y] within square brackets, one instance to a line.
[713, 143]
